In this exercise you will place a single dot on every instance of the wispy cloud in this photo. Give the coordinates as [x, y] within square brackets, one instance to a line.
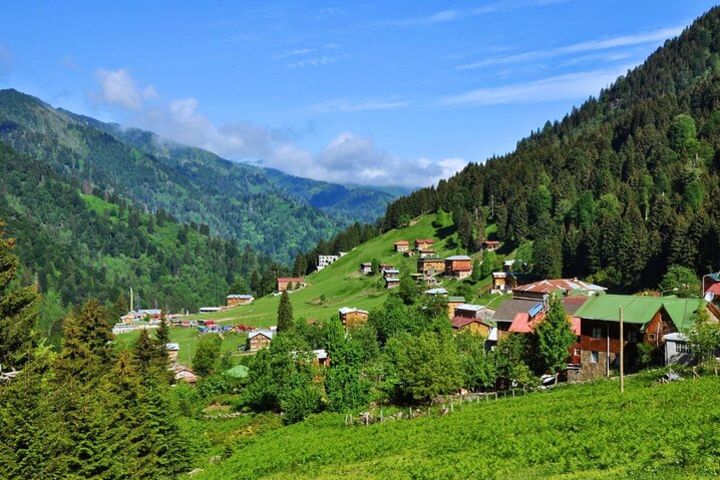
[344, 105]
[581, 47]
[445, 16]
[571, 86]
[297, 52]
[317, 61]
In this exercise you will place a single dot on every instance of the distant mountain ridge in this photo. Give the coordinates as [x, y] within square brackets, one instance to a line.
[236, 200]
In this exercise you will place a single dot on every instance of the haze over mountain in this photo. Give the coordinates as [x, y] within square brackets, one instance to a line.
[276, 214]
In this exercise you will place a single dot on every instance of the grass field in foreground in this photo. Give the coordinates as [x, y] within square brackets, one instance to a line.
[584, 431]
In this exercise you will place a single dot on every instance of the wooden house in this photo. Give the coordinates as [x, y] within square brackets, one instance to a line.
[392, 282]
[401, 246]
[366, 268]
[474, 325]
[352, 317]
[258, 339]
[648, 320]
[290, 283]
[452, 303]
[458, 266]
[491, 245]
[424, 243]
[543, 289]
[391, 272]
[467, 310]
[386, 266]
[431, 266]
[234, 300]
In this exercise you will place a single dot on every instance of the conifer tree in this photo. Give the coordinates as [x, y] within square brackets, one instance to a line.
[17, 318]
[285, 313]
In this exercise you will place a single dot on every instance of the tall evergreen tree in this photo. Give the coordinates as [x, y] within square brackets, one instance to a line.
[555, 337]
[284, 313]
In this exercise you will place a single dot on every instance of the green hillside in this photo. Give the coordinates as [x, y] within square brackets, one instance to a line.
[576, 432]
[342, 285]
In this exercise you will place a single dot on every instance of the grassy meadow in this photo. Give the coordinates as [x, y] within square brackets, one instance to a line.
[587, 431]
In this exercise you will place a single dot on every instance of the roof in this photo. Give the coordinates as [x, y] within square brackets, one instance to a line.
[242, 296]
[456, 299]
[366, 264]
[291, 279]
[470, 307]
[392, 270]
[346, 310]
[266, 333]
[150, 311]
[431, 259]
[639, 309]
[675, 337]
[462, 322]
[173, 347]
[573, 303]
[402, 242]
[507, 311]
[714, 276]
[320, 354]
[238, 371]
[560, 284]
[436, 291]
[714, 289]
[425, 240]
[459, 258]
[491, 242]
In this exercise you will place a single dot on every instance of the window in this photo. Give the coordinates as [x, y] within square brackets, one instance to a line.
[682, 347]
[594, 357]
[632, 336]
[651, 337]
[597, 332]
[576, 352]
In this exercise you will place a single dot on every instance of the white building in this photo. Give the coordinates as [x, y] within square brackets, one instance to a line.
[325, 260]
[677, 349]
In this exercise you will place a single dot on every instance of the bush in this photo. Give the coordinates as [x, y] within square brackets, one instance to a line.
[300, 402]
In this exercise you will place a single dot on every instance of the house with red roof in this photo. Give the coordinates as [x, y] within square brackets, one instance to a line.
[424, 244]
[401, 246]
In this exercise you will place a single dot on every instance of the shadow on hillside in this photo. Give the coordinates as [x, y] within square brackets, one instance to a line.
[444, 232]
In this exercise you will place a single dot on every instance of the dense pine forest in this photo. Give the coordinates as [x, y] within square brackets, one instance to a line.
[77, 242]
[619, 189]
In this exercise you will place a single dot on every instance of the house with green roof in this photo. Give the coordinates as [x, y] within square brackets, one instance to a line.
[646, 320]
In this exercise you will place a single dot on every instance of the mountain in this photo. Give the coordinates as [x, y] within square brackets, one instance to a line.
[620, 189]
[235, 200]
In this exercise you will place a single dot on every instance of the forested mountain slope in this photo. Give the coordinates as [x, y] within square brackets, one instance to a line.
[621, 188]
[235, 200]
[77, 245]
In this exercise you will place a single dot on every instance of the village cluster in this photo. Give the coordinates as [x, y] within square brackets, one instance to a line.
[657, 322]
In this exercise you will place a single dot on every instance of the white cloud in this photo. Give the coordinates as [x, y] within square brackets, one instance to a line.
[571, 86]
[344, 105]
[317, 61]
[347, 158]
[587, 46]
[351, 158]
[119, 88]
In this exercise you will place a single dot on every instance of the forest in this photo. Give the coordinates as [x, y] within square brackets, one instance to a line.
[618, 191]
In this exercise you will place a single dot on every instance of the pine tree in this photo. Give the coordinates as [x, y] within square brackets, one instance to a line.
[16, 316]
[285, 313]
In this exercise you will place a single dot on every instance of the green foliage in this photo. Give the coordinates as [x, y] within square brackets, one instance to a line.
[704, 336]
[407, 291]
[425, 366]
[555, 337]
[285, 313]
[680, 281]
[206, 358]
[300, 402]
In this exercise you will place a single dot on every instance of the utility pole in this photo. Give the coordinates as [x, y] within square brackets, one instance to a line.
[622, 353]
[132, 309]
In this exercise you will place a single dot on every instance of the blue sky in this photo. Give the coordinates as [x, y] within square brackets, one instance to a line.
[401, 92]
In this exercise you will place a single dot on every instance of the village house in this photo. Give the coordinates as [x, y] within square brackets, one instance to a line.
[401, 246]
[173, 349]
[426, 252]
[234, 300]
[468, 310]
[424, 243]
[209, 309]
[677, 349]
[458, 266]
[431, 266]
[325, 260]
[543, 289]
[648, 320]
[290, 283]
[392, 282]
[391, 272]
[506, 280]
[352, 317]
[322, 359]
[258, 339]
[436, 292]
[366, 268]
[423, 280]
[491, 245]
[386, 266]
[475, 325]
[452, 303]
